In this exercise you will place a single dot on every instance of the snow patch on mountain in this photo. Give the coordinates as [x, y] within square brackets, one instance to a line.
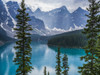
[55, 29]
[40, 32]
[70, 29]
[2, 27]
[75, 28]
[78, 27]
[14, 22]
[53, 22]
[7, 29]
[61, 19]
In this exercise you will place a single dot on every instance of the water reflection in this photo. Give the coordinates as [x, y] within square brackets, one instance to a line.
[42, 56]
[7, 67]
[37, 71]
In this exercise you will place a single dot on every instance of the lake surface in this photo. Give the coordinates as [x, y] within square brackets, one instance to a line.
[42, 56]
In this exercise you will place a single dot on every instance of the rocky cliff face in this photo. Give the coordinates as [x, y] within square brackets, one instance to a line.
[8, 12]
[44, 23]
[61, 18]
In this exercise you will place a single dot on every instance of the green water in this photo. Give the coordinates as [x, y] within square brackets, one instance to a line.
[42, 56]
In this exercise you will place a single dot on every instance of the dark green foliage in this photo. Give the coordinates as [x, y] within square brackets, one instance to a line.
[65, 65]
[98, 55]
[45, 72]
[98, 42]
[23, 48]
[39, 38]
[58, 66]
[48, 73]
[90, 68]
[74, 39]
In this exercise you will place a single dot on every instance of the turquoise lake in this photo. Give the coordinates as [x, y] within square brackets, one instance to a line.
[42, 55]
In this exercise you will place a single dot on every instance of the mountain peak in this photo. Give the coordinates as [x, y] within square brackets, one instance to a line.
[38, 10]
[79, 8]
[63, 7]
[12, 2]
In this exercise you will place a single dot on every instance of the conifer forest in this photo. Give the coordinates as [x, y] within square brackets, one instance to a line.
[49, 37]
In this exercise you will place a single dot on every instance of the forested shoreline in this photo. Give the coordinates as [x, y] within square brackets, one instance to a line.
[73, 39]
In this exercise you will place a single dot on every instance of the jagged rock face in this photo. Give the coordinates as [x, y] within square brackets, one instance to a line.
[6, 22]
[3, 36]
[12, 8]
[2, 32]
[61, 18]
[57, 20]
[79, 17]
[8, 12]
[4, 15]
[36, 23]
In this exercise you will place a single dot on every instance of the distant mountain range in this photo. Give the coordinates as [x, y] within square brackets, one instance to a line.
[44, 23]
[61, 18]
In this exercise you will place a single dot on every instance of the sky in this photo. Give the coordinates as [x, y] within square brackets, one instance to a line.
[47, 5]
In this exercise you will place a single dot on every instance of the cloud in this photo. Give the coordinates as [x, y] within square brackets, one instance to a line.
[47, 5]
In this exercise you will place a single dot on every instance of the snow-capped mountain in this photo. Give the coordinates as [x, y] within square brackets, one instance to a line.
[6, 20]
[61, 18]
[79, 17]
[55, 18]
[12, 8]
[8, 12]
[44, 23]
[36, 23]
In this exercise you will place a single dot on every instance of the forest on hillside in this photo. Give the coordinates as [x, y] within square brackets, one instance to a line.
[73, 39]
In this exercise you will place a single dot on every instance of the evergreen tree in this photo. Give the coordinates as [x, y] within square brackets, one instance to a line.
[98, 56]
[58, 66]
[89, 67]
[48, 73]
[45, 72]
[65, 65]
[98, 41]
[23, 48]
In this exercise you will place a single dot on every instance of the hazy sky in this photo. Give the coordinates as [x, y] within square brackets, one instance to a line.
[46, 5]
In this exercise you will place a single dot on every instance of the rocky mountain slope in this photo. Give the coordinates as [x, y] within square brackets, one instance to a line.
[61, 18]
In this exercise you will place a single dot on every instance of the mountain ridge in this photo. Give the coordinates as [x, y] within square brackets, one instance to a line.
[62, 18]
[44, 23]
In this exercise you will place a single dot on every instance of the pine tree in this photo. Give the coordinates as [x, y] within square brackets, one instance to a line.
[48, 73]
[98, 41]
[45, 72]
[58, 66]
[89, 67]
[98, 56]
[65, 65]
[23, 48]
